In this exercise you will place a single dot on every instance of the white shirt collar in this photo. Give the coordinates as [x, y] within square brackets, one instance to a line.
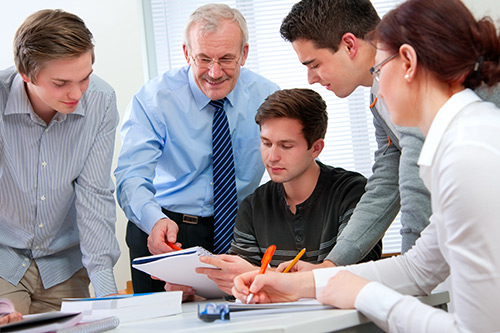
[441, 121]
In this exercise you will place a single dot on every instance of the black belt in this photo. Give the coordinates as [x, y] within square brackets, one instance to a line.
[189, 219]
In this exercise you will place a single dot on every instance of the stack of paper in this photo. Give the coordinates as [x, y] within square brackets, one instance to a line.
[178, 267]
[126, 307]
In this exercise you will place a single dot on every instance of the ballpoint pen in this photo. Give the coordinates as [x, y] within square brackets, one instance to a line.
[173, 246]
[264, 263]
[294, 261]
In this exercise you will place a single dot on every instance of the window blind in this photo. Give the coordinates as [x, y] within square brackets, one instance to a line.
[350, 139]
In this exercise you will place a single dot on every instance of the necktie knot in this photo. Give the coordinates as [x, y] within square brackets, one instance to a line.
[217, 104]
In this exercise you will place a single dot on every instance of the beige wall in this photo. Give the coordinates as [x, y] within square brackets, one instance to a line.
[117, 30]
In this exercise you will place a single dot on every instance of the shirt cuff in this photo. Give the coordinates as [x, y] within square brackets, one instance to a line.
[103, 282]
[376, 301]
[322, 275]
[150, 215]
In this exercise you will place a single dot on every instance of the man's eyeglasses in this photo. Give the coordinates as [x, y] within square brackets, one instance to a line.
[202, 62]
[375, 70]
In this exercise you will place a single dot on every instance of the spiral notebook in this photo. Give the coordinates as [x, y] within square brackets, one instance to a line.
[102, 325]
[178, 267]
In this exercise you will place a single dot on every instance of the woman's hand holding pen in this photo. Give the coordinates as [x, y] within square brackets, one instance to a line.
[273, 287]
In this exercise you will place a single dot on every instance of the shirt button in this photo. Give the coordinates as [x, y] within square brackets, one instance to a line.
[40, 225]
[205, 208]
[37, 247]
[27, 259]
[298, 238]
[43, 198]
[24, 265]
[46, 130]
[211, 183]
[44, 164]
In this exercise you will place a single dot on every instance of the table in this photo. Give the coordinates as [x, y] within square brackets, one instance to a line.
[329, 320]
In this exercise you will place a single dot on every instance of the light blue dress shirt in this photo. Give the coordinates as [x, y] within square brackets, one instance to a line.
[56, 191]
[166, 157]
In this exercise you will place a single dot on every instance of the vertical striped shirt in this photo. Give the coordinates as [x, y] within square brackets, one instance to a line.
[56, 194]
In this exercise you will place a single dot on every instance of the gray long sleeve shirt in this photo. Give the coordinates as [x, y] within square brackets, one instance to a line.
[394, 184]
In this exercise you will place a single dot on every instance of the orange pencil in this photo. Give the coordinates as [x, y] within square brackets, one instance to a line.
[266, 259]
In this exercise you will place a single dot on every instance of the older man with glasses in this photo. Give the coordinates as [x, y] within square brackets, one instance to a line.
[191, 146]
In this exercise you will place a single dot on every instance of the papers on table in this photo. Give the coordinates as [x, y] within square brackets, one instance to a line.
[43, 322]
[178, 267]
[126, 307]
[227, 310]
[240, 309]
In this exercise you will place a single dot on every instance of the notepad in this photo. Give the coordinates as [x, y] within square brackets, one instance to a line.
[304, 304]
[178, 267]
[101, 325]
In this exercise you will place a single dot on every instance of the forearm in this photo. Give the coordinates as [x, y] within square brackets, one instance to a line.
[103, 282]
[95, 208]
[415, 197]
[135, 191]
[395, 312]
[376, 209]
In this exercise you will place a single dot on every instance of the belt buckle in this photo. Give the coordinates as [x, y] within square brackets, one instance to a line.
[189, 219]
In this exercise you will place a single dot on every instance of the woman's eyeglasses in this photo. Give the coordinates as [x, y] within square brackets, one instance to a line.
[375, 70]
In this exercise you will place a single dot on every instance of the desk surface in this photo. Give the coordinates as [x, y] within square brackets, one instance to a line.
[300, 322]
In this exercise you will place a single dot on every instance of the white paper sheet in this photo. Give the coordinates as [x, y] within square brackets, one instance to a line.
[178, 267]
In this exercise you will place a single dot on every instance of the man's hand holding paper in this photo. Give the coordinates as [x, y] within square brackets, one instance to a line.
[229, 266]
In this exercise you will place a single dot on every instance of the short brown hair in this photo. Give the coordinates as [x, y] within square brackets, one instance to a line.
[47, 35]
[447, 39]
[324, 22]
[305, 105]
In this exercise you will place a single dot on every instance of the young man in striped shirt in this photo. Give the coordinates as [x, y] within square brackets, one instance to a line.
[57, 130]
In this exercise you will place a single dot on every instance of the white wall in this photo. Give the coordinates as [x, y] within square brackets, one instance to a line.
[481, 8]
[117, 30]
[118, 39]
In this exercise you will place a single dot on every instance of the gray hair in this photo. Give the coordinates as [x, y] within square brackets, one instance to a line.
[210, 16]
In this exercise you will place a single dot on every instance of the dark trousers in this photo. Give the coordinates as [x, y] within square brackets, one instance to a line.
[200, 234]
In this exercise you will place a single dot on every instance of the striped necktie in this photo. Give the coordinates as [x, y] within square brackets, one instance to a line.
[225, 196]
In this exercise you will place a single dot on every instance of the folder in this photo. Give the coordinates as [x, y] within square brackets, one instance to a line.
[178, 267]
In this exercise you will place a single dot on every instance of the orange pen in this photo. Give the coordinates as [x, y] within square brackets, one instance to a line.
[266, 259]
[175, 247]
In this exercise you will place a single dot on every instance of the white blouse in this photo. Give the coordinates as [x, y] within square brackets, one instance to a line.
[460, 164]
